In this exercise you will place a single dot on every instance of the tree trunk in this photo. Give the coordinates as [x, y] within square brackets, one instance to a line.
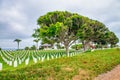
[100, 45]
[67, 50]
[37, 46]
[18, 45]
[83, 43]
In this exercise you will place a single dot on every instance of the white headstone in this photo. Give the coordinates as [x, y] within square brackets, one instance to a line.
[0, 66]
[10, 63]
[27, 61]
[42, 59]
[20, 61]
[7, 61]
[48, 57]
[52, 57]
[56, 56]
[39, 58]
[35, 60]
[72, 54]
[15, 63]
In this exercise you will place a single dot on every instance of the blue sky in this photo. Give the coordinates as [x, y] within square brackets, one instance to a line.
[18, 17]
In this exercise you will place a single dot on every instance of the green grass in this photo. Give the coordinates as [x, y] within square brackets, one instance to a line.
[87, 65]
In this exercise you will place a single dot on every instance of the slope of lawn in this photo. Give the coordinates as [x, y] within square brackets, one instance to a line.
[84, 66]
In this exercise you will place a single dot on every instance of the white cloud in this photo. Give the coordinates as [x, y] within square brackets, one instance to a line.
[12, 13]
[17, 26]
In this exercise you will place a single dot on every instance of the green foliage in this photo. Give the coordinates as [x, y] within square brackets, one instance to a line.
[48, 41]
[27, 48]
[18, 41]
[59, 46]
[113, 40]
[76, 46]
[33, 47]
[36, 40]
[36, 33]
[66, 28]
[0, 49]
[41, 47]
[61, 26]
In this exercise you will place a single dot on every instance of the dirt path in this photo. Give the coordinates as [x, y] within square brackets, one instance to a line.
[114, 74]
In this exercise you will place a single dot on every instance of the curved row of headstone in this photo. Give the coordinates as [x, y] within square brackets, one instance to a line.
[36, 55]
[6, 59]
[7, 55]
[15, 58]
[74, 53]
[20, 58]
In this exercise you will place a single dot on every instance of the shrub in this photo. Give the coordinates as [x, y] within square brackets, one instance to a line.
[26, 48]
[76, 46]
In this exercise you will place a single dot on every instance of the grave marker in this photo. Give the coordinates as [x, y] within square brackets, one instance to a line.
[15, 63]
[0, 66]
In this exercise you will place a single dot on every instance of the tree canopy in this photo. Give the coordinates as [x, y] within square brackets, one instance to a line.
[67, 27]
[18, 41]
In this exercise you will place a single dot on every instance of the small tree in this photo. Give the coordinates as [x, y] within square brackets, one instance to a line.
[18, 41]
[76, 46]
[36, 40]
[33, 47]
[26, 48]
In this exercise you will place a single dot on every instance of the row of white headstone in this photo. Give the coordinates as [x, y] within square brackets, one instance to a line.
[18, 60]
[26, 58]
[7, 55]
[6, 60]
[42, 57]
[14, 61]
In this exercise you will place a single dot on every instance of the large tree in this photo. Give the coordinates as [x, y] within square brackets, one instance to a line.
[18, 41]
[91, 32]
[113, 40]
[97, 32]
[66, 27]
[61, 25]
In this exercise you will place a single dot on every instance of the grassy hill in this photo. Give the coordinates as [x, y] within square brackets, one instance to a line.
[84, 66]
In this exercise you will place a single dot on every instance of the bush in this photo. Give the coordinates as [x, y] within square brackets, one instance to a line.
[27, 48]
[33, 47]
[76, 46]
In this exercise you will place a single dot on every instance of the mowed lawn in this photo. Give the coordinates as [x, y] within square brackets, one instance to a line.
[84, 66]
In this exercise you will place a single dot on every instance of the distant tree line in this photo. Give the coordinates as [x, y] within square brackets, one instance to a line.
[31, 48]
